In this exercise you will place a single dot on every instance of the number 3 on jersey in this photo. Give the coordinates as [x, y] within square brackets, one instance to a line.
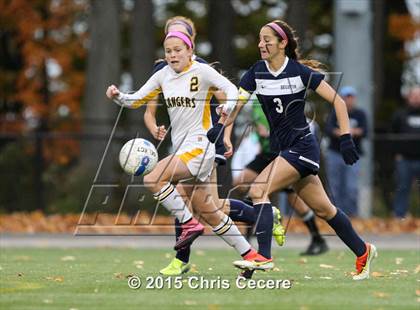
[279, 107]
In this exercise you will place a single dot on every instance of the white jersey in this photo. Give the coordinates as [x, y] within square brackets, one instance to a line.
[187, 97]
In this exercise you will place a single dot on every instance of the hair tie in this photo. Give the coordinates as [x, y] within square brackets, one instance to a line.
[183, 23]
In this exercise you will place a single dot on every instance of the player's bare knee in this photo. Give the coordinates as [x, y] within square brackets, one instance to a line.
[326, 212]
[256, 192]
[153, 183]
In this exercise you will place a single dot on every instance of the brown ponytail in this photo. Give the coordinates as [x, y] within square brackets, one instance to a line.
[292, 47]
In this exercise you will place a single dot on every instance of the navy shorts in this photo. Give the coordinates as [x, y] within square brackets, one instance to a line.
[261, 161]
[303, 155]
[220, 151]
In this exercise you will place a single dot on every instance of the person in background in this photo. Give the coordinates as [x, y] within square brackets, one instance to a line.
[342, 178]
[407, 159]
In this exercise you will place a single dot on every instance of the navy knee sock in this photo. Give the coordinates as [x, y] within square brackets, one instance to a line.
[264, 228]
[242, 212]
[343, 228]
[184, 253]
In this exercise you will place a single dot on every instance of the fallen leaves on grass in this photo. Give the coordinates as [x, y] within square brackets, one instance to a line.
[326, 266]
[194, 268]
[190, 302]
[200, 253]
[377, 274]
[138, 264]
[399, 260]
[37, 221]
[325, 278]
[380, 294]
[118, 275]
[55, 278]
[68, 258]
[303, 260]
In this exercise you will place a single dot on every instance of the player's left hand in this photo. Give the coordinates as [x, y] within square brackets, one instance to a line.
[348, 149]
[214, 133]
[229, 148]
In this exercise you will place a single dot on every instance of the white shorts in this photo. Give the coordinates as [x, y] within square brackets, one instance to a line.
[198, 154]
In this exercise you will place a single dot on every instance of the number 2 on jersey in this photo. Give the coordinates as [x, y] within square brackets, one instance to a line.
[194, 83]
[279, 107]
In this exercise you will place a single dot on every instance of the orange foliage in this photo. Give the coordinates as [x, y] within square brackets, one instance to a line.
[38, 222]
[43, 30]
[402, 26]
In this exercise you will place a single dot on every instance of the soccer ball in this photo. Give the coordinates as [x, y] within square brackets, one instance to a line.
[138, 157]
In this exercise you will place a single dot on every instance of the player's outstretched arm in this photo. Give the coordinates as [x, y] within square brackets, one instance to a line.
[347, 147]
[328, 93]
[134, 100]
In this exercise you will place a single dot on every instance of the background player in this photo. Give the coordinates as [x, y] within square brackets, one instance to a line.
[280, 81]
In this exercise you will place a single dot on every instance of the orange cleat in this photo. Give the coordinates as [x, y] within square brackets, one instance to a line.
[254, 261]
[363, 263]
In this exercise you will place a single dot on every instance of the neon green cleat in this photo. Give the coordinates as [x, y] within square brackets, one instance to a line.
[278, 229]
[175, 268]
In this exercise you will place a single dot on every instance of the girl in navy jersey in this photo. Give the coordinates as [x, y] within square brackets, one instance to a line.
[281, 81]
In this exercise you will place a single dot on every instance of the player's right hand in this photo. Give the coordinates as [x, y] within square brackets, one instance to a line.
[159, 133]
[229, 147]
[112, 91]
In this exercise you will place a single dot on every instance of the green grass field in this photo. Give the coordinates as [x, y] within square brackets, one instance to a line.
[96, 279]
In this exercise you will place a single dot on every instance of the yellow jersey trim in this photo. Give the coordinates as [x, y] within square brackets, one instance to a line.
[187, 156]
[206, 111]
[147, 98]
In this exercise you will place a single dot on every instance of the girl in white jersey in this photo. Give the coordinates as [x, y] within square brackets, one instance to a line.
[187, 88]
[236, 209]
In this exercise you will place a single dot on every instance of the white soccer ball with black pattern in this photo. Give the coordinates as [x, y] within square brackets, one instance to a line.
[138, 157]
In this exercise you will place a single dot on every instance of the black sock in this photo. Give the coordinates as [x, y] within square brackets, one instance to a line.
[309, 220]
[240, 211]
[264, 228]
[184, 253]
[343, 228]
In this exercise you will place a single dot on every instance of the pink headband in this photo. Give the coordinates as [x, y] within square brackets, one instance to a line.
[180, 35]
[278, 29]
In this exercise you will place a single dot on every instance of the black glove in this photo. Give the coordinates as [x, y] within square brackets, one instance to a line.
[214, 133]
[348, 149]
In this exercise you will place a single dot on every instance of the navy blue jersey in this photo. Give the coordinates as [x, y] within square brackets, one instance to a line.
[281, 95]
